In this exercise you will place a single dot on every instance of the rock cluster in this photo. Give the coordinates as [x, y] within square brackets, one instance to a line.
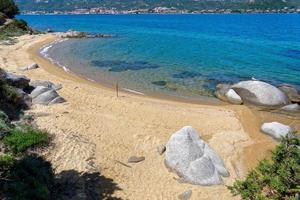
[258, 93]
[78, 34]
[33, 92]
[193, 159]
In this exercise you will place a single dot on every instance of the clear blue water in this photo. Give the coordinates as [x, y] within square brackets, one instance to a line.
[182, 55]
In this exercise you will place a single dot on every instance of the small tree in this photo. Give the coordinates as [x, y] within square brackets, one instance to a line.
[9, 8]
[278, 179]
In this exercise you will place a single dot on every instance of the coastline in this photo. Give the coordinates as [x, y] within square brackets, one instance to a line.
[94, 120]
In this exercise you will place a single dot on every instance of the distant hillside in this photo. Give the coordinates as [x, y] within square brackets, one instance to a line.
[67, 5]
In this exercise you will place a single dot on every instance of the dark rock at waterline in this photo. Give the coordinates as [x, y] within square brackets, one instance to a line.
[120, 66]
[292, 93]
[187, 74]
[159, 83]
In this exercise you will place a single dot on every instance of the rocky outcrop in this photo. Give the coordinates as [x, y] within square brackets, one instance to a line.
[193, 159]
[17, 81]
[45, 96]
[46, 84]
[292, 93]
[276, 130]
[233, 97]
[77, 34]
[260, 93]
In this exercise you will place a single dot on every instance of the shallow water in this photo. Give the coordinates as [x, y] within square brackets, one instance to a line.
[181, 55]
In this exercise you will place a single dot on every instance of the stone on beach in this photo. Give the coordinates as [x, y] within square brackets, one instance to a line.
[30, 67]
[292, 93]
[193, 159]
[276, 130]
[233, 97]
[38, 91]
[161, 149]
[260, 93]
[294, 108]
[136, 159]
[18, 81]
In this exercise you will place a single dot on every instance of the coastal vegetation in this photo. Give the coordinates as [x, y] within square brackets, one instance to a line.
[274, 179]
[9, 26]
[64, 5]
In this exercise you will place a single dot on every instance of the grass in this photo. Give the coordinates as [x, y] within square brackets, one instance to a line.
[13, 29]
[22, 138]
[6, 161]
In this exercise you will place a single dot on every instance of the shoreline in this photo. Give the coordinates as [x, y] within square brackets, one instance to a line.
[203, 100]
[96, 126]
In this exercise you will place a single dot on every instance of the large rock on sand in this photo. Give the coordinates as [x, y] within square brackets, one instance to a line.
[47, 98]
[193, 159]
[18, 81]
[46, 84]
[276, 130]
[260, 93]
[292, 108]
[292, 93]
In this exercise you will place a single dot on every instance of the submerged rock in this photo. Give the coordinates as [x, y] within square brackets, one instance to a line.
[292, 93]
[159, 83]
[233, 97]
[260, 93]
[193, 159]
[276, 130]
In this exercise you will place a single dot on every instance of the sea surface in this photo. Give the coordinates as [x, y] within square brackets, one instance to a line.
[178, 55]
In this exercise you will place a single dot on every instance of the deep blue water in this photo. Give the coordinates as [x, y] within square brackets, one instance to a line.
[184, 55]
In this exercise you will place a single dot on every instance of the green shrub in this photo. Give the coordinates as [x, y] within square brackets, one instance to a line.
[278, 179]
[30, 178]
[22, 138]
[6, 162]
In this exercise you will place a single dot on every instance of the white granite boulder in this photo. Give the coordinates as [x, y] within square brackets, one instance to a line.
[193, 159]
[46, 84]
[45, 96]
[260, 93]
[221, 91]
[233, 97]
[276, 130]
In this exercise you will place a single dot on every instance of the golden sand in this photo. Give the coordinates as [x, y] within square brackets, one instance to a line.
[96, 130]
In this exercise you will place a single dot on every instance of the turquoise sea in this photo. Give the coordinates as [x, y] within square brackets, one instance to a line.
[178, 55]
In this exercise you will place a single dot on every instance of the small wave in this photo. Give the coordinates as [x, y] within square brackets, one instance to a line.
[133, 91]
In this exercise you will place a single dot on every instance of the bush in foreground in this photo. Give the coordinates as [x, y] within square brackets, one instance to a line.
[278, 179]
[29, 178]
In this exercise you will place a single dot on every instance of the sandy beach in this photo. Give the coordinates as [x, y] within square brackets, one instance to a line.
[97, 131]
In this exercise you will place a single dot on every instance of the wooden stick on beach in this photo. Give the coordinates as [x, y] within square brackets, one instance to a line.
[117, 88]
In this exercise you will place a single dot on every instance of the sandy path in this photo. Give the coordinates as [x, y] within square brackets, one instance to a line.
[95, 130]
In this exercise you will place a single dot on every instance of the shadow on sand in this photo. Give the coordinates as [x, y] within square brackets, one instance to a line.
[90, 186]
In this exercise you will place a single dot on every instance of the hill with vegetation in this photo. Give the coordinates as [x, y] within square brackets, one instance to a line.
[191, 5]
